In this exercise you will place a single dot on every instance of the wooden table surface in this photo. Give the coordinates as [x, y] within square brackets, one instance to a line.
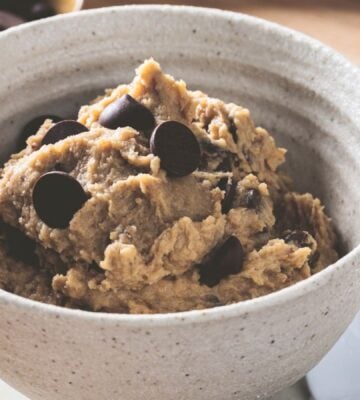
[334, 22]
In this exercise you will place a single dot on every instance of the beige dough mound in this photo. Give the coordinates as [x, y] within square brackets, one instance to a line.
[146, 241]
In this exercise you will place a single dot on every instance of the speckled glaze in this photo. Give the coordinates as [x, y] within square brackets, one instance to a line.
[303, 92]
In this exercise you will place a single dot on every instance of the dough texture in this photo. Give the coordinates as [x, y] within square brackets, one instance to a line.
[136, 244]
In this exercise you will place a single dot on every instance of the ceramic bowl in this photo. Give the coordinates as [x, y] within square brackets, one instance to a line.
[305, 93]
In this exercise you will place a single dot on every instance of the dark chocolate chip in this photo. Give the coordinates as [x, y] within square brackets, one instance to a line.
[41, 9]
[225, 165]
[20, 246]
[207, 154]
[228, 185]
[299, 238]
[57, 196]
[8, 20]
[233, 130]
[223, 261]
[33, 126]
[177, 148]
[94, 267]
[214, 158]
[252, 199]
[62, 130]
[126, 111]
[313, 259]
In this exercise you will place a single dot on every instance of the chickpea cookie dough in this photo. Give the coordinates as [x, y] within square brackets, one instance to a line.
[157, 199]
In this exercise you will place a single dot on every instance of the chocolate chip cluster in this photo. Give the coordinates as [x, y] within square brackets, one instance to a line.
[57, 196]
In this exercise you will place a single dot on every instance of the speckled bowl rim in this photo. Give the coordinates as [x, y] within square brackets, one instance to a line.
[227, 311]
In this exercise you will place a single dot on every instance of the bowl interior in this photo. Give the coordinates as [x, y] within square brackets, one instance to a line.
[290, 88]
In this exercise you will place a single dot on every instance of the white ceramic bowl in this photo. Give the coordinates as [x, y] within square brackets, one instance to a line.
[303, 92]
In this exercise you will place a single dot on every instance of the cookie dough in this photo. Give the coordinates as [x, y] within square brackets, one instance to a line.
[159, 222]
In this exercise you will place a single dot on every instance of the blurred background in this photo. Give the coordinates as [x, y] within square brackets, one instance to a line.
[335, 22]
